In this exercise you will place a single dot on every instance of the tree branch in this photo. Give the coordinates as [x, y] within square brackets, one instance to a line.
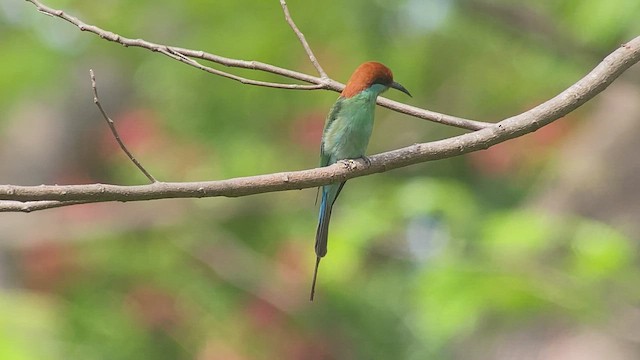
[113, 129]
[30, 206]
[185, 56]
[570, 99]
[303, 40]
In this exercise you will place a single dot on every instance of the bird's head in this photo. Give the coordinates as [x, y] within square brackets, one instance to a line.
[368, 75]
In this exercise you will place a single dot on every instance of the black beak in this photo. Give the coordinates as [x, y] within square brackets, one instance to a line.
[397, 86]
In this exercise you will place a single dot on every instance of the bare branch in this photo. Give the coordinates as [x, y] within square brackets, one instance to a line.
[433, 116]
[112, 126]
[302, 39]
[570, 99]
[185, 55]
[29, 206]
[172, 53]
[163, 49]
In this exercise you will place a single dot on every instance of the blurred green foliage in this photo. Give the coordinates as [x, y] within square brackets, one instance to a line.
[420, 258]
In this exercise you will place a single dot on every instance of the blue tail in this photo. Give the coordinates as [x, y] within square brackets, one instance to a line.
[329, 196]
[323, 225]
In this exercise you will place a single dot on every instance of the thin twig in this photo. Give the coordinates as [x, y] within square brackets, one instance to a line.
[303, 40]
[108, 35]
[29, 206]
[319, 83]
[182, 58]
[112, 126]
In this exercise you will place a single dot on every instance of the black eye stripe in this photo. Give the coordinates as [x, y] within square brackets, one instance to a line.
[382, 81]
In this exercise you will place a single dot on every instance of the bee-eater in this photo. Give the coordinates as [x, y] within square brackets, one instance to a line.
[346, 135]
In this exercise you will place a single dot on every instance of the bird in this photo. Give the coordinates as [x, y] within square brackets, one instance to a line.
[346, 134]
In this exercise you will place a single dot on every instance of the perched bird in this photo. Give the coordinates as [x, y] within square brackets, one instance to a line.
[346, 134]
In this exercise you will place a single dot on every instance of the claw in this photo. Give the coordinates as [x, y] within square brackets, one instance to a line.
[352, 164]
[348, 164]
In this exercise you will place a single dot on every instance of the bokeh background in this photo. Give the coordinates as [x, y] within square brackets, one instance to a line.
[527, 250]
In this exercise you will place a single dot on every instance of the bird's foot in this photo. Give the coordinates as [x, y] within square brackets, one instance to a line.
[349, 164]
[352, 164]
